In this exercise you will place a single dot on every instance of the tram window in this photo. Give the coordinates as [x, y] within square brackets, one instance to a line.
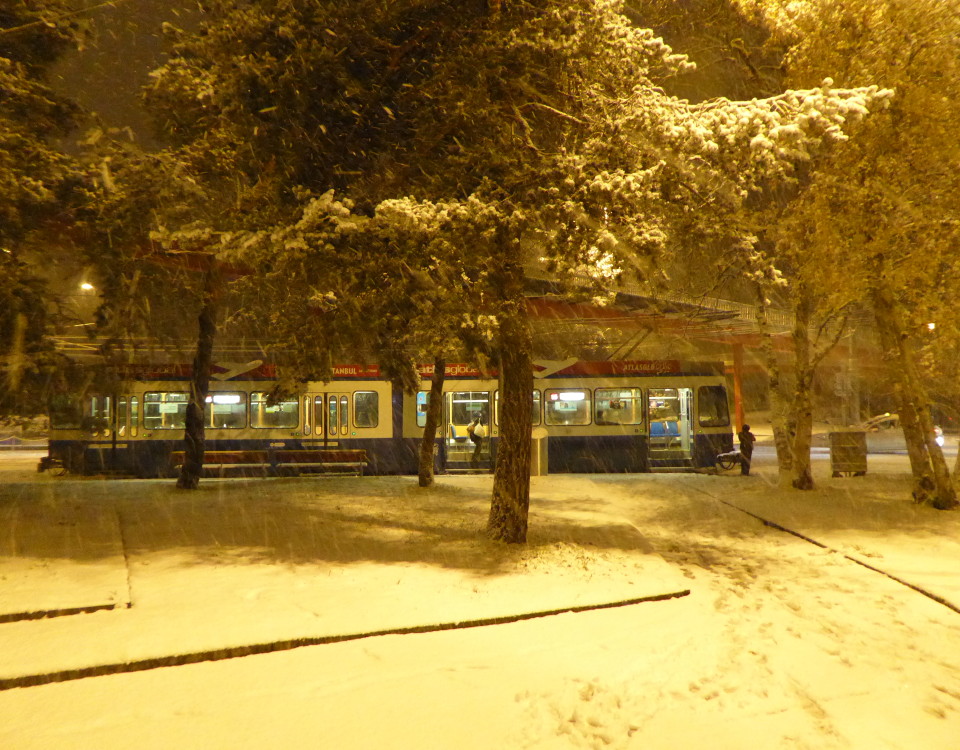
[423, 403]
[263, 415]
[619, 406]
[100, 413]
[534, 411]
[307, 413]
[134, 416]
[121, 416]
[333, 421]
[96, 415]
[107, 415]
[344, 415]
[318, 407]
[714, 411]
[366, 409]
[65, 413]
[664, 405]
[225, 411]
[165, 410]
[465, 405]
[100, 407]
[566, 407]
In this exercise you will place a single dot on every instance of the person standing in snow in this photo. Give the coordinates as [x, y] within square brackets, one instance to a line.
[747, 439]
[476, 431]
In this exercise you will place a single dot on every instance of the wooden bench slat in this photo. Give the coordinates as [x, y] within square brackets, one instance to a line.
[315, 458]
[226, 457]
[319, 456]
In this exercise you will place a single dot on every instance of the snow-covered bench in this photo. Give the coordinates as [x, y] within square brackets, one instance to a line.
[320, 459]
[222, 462]
[281, 462]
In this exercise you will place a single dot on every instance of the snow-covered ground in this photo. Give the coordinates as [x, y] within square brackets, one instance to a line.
[367, 613]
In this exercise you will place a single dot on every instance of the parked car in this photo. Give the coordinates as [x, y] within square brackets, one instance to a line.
[884, 434]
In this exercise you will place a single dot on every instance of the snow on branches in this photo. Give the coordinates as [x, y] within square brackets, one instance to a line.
[538, 134]
[751, 141]
[589, 28]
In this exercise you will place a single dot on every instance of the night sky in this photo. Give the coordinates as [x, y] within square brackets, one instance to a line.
[106, 75]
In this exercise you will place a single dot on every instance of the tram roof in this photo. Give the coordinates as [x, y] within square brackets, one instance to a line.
[705, 327]
[706, 319]
[569, 368]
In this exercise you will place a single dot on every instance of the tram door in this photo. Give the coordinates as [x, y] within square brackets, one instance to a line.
[127, 416]
[98, 417]
[460, 409]
[671, 422]
[327, 417]
[100, 436]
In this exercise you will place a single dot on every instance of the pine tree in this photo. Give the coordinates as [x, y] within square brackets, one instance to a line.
[530, 133]
[40, 188]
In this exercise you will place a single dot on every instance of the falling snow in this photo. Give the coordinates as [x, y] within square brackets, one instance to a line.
[780, 642]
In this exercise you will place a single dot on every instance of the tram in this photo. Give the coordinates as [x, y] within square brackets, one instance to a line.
[612, 416]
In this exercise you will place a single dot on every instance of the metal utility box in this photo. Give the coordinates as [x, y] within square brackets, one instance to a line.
[848, 453]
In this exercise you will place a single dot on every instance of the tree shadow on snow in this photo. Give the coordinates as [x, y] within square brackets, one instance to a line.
[337, 520]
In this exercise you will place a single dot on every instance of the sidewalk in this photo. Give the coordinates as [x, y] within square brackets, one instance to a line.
[97, 574]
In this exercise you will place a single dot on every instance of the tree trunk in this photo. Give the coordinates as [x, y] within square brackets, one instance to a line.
[931, 476]
[946, 492]
[956, 471]
[511, 482]
[434, 409]
[924, 488]
[193, 433]
[801, 476]
[778, 405]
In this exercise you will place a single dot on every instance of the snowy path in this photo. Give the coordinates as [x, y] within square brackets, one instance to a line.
[780, 644]
[801, 642]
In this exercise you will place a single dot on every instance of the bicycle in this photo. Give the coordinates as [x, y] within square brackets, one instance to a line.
[727, 461]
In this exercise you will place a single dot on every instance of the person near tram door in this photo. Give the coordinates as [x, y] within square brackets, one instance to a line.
[747, 439]
[477, 432]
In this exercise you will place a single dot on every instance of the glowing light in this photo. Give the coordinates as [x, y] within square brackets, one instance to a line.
[87, 286]
[224, 398]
